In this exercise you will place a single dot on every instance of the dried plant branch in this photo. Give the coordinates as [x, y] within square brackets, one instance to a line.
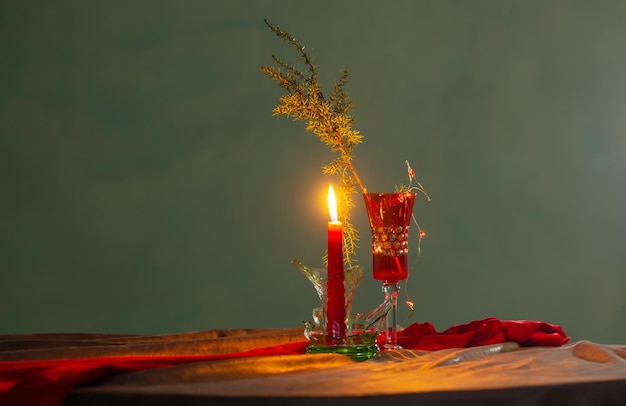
[329, 119]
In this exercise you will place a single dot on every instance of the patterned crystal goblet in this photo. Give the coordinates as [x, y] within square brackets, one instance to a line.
[390, 216]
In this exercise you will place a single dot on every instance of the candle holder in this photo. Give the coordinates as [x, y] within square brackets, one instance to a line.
[390, 215]
[362, 329]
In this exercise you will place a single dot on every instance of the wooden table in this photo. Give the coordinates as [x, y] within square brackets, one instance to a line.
[578, 373]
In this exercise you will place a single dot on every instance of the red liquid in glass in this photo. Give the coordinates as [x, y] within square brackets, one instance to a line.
[390, 215]
[390, 268]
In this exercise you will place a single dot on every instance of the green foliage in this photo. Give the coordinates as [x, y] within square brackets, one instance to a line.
[401, 188]
[329, 119]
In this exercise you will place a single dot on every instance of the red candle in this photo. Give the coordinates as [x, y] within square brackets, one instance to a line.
[335, 296]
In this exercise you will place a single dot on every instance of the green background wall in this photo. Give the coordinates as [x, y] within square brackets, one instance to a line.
[145, 186]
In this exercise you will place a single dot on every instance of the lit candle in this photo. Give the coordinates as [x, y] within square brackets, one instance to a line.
[335, 296]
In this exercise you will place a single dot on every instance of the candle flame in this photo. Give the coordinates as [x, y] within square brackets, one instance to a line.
[332, 204]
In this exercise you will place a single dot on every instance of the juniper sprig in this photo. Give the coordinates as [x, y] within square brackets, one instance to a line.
[329, 118]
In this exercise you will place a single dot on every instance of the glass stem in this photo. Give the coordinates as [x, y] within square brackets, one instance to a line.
[390, 291]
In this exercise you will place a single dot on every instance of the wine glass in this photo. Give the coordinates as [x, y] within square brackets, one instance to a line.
[390, 216]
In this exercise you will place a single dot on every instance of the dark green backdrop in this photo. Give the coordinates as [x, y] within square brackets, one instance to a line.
[146, 187]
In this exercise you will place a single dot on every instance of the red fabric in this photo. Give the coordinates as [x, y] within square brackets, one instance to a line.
[46, 382]
[423, 336]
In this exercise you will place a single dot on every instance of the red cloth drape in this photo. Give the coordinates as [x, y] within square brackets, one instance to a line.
[423, 336]
[47, 382]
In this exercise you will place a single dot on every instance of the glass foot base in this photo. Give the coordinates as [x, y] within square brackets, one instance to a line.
[358, 352]
[358, 347]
